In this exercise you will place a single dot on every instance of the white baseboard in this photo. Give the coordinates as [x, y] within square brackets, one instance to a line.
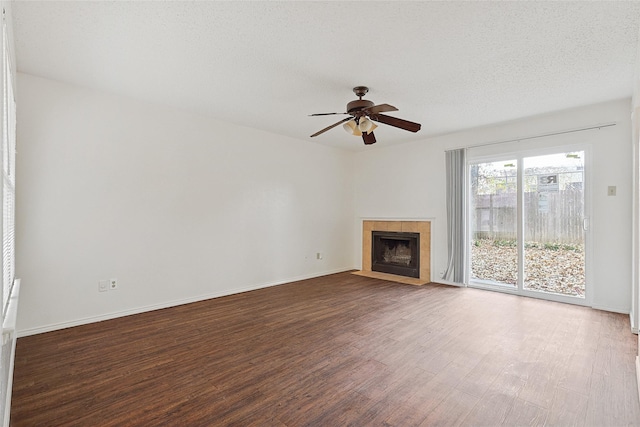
[138, 310]
[446, 282]
[611, 309]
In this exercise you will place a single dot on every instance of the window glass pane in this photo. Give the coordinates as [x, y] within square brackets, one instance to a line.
[494, 251]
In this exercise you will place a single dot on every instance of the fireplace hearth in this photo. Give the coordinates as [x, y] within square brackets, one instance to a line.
[395, 253]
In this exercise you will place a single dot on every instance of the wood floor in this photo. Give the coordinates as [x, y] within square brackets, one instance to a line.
[336, 351]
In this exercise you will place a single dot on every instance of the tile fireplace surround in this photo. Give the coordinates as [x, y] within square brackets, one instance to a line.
[422, 227]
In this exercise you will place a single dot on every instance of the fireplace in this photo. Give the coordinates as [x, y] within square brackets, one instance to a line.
[395, 253]
[395, 228]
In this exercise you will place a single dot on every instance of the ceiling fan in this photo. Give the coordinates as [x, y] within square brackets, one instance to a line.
[361, 114]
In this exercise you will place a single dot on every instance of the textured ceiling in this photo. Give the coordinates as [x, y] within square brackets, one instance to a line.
[267, 65]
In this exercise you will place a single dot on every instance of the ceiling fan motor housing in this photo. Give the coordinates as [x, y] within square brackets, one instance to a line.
[357, 105]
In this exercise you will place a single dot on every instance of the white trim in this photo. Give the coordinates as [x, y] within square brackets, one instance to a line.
[446, 282]
[138, 310]
[635, 220]
[611, 309]
[9, 335]
[377, 218]
[11, 315]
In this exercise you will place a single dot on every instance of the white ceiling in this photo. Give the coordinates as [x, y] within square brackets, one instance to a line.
[267, 65]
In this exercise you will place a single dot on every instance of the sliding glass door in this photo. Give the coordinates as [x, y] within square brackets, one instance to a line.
[554, 224]
[494, 204]
[527, 222]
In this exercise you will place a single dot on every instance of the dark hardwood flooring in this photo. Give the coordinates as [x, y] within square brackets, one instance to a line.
[336, 351]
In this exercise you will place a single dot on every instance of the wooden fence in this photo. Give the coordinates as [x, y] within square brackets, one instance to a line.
[549, 217]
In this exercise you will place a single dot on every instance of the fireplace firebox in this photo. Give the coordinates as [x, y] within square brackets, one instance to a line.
[395, 253]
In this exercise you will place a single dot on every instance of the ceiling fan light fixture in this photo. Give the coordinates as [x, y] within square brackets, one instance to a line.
[372, 128]
[365, 125]
[352, 128]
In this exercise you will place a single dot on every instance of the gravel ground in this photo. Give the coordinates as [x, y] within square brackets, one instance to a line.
[557, 269]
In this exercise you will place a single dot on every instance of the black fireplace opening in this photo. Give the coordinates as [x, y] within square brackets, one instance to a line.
[395, 253]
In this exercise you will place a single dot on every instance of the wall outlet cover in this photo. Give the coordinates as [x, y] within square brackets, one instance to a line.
[113, 284]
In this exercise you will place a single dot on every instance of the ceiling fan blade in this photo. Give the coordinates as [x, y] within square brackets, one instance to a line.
[346, 119]
[325, 114]
[382, 108]
[368, 138]
[396, 122]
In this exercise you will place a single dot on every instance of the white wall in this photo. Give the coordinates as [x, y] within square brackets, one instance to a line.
[415, 187]
[635, 236]
[177, 207]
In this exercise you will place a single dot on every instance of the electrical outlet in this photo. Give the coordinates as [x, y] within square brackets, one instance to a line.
[113, 284]
[103, 285]
[611, 191]
[319, 255]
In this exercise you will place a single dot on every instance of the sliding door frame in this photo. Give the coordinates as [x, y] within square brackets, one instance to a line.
[519, 155]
